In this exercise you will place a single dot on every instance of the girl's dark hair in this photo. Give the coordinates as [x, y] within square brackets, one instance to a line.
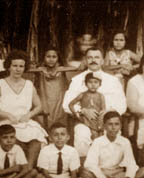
[14, 55]
[115, 32]
[140, 70]
[110, 115]
[53, 48]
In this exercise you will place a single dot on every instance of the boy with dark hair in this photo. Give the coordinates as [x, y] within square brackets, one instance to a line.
[110, 155]
[58, 160]
[13, 162]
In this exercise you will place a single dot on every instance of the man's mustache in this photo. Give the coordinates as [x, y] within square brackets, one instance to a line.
[93, 63]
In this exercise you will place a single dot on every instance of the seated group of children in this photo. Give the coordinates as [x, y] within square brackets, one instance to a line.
[110, 155]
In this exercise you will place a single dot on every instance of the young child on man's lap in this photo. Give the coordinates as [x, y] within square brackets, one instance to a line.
[94, 100]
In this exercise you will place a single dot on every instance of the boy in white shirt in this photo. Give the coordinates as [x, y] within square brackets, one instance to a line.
[58, 160]
[110, 155]
[13, 163]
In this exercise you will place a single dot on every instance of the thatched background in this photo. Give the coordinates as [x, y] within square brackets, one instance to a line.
[33, 24]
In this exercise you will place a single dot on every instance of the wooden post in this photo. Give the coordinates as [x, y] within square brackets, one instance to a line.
[140, 32]
[32, 43]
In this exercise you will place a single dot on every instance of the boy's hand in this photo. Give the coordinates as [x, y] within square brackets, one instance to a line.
[76, 114]
[89, 113]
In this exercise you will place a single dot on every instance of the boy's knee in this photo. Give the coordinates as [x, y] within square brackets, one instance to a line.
[140, 173]
[31, 173]
[82, 130]
[87, 174]
[40, 176]
[34, 172]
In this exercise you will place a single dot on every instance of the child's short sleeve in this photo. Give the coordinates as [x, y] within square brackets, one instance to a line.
[75, 161]
[20, 156]
[43, 161]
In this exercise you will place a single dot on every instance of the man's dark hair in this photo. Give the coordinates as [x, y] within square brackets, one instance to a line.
[95, 48]
[110, 115]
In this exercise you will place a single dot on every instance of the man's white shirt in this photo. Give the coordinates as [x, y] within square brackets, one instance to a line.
[110, 87]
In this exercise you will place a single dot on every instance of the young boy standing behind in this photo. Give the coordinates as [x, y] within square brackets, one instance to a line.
[58, 160]
[13, 162]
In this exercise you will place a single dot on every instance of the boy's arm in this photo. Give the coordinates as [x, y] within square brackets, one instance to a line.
[103, 105]
[129, 160]
[10, 170]
[135, 57]
[74, 101]
[92, 160]
[45, 173]
[23, 170]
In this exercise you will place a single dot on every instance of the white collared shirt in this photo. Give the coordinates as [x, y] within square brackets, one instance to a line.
[111, 88]
[16, 156]
[111, 155]
[49, 155]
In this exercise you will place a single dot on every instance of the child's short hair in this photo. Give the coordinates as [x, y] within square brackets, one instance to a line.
[57, 125]
[7, 129]
[92, 76]
[110, 115]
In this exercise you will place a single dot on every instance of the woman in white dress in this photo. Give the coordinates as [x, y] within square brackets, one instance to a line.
[19, 103]
[135, 101]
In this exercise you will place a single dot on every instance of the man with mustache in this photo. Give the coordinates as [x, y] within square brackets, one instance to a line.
[111, 88]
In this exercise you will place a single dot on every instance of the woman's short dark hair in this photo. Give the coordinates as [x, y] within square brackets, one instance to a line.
[16, 54]
[110, 115]
[140, 70]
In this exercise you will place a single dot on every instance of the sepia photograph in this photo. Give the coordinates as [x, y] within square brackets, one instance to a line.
[71, 89]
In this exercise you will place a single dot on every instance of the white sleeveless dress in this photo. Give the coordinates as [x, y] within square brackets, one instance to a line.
[138, 82]
[18, 105]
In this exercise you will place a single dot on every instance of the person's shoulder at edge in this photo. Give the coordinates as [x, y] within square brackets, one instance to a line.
[134, 78]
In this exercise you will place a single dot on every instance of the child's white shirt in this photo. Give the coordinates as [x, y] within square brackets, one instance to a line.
[48, 158]
[16, 156]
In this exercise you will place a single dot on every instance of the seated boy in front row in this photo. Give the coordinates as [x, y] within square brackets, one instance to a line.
[58, 160]
[110, 155]
[13, 163]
